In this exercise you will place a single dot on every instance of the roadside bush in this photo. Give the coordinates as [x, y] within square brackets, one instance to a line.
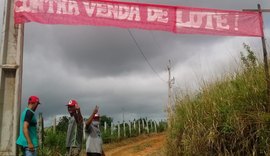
[227, 117]
[54, 144]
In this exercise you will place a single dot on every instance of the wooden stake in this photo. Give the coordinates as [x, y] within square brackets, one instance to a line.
[265, 58]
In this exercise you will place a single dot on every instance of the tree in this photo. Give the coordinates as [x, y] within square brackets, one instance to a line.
[250, 61]
[106, 119]
[62, 126]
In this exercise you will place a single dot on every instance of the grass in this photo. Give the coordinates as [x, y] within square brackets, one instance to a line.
[226, 117]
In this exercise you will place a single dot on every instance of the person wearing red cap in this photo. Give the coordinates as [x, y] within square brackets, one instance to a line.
[28, 139]
[93, 140]
[75, 129]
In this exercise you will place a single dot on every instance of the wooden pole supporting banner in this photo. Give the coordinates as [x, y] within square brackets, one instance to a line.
[265, 58]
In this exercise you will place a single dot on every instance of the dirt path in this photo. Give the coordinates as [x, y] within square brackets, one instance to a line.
[142, 146]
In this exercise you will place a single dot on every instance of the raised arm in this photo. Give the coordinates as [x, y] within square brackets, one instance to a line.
[78, 116]
[90, 119]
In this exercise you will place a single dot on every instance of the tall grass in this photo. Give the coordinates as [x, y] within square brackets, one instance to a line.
[226, 117]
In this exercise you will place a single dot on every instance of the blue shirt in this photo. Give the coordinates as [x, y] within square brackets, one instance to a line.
[28, 115]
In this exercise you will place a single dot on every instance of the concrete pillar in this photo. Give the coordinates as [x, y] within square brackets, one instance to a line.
[11, 55]
[124, 124]
[129, 126]
[112, 128]
[143, 124]
[134, 122]
[54, 124]
[40, 124]
[105, 127]
[147, 125]
[40, 131]
[139, 126]
[118, 130]
[151, 125]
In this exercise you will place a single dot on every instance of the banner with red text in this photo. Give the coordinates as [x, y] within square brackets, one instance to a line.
[177, 19]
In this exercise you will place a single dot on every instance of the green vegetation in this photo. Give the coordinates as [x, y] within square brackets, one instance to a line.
[54, 142]
[226, 117]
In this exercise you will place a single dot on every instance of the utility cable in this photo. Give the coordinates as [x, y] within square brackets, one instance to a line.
[137, 45]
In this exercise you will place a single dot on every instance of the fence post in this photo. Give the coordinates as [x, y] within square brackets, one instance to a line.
[155, 124]
[142, 125]
[151, 126]
[134, 124]
[40, 132]
[129, 126]
[105, 127]
[54, 124]
[139, 126]
[147, 126]
[112, 128]
[118, 130]
[124, 127]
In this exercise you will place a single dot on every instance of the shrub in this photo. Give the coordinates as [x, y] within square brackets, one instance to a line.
[226, 117]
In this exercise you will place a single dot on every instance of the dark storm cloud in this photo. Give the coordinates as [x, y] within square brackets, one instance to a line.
[109, 93]
[106, 51]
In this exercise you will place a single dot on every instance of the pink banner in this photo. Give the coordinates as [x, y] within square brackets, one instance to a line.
[177, 19]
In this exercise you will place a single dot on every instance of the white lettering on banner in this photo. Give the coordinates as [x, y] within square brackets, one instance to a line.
[102, 10]
[123, 12]
[89, 9]
[50, 9]
[61, 7]
[120, 12]
[134, 11]
[157, 15]
[222, 22]
[196, 20]
[36, 6]
[69, 7]
[73, 8]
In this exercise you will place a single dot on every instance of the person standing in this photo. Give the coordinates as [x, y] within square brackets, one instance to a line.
[75, 129]
[28, 139]
[93, 140]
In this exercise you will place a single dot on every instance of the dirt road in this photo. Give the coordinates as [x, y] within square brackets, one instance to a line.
[151, 145]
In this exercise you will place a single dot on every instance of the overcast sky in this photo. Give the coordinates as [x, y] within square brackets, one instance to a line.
[102, 65]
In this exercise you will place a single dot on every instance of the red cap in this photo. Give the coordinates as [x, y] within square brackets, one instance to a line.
[33, 99]
[72, 103]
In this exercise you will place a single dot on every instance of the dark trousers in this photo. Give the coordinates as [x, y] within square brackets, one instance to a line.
[93, 154]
